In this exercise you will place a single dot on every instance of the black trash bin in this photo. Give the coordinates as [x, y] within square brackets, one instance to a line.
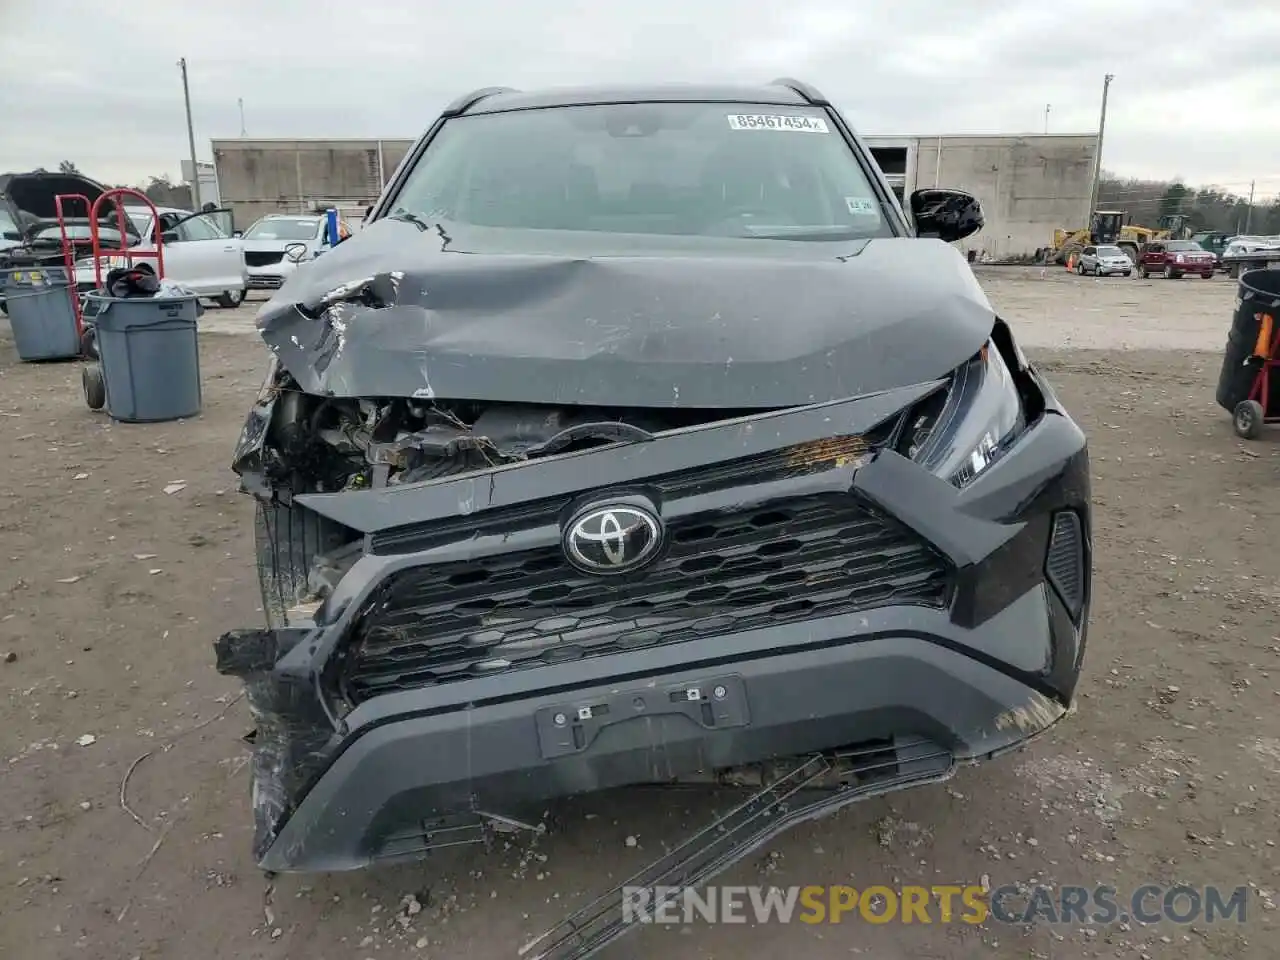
[1258, 293]
[149, 352]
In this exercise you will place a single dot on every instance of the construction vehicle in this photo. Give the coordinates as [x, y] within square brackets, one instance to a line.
[1111, 227]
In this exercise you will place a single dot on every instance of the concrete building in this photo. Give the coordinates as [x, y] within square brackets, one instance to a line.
[1029, 185]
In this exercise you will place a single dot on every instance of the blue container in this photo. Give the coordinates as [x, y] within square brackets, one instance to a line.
[41, 313]
[150, 355]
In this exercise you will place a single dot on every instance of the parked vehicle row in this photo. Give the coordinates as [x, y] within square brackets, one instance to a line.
[202, 250]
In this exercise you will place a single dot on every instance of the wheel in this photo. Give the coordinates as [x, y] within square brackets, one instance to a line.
[1207, 276]
[287, 539]
[1169, 274]
[1097, 271]
[95, 388]
[230, 299]
[1142, 272]
[1248, 419]
[1128, 273]
[1079, 269]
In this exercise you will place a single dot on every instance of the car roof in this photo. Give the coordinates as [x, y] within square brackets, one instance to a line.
[290, 216]
[789, 93]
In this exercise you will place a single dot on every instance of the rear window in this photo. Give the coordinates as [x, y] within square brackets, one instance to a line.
[687, 169]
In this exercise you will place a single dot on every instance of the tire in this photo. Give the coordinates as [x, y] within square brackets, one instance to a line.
[230, 299]
[1247, 419]
[1207, 276]
[1142, 272]
[287, 539]
[95, 388]
[1128, 273]
[1097, 271]
[1079, 269]
[1170, 273]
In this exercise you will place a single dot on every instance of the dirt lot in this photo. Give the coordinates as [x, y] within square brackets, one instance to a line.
[112, 589]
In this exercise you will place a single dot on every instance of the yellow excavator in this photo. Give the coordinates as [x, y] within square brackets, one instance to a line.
[1110, 227]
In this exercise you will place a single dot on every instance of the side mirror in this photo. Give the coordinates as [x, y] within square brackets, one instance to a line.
[169, 236]
[949, 215]
[295, 252]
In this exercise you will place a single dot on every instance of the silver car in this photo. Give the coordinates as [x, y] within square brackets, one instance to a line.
[1104, 261]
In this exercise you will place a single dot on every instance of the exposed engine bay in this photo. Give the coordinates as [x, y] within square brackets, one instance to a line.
[331, 444]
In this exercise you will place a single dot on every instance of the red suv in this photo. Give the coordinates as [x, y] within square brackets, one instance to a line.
[1173, 258]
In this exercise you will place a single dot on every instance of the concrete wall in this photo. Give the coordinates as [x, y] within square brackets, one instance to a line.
[1028, 185]
[256, 177]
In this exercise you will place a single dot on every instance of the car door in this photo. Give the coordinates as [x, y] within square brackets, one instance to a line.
[1089, 258]
[211, 263]
[1153, 256]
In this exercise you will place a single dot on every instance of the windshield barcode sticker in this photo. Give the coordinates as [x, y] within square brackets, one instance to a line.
[742, 121]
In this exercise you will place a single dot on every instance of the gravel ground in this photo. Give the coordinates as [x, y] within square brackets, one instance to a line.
[112, 588]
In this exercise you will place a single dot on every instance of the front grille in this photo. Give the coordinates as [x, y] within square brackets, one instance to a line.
[799, 559]
[265, 282]
[258, 258]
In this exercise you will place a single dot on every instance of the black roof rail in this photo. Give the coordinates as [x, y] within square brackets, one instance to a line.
[465, 103]
[803, 89]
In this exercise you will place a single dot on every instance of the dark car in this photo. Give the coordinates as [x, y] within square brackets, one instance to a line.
[1174, 259]
[641, 437]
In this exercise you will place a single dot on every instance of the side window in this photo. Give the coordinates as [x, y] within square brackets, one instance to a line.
[1090, 251]
[197, 228]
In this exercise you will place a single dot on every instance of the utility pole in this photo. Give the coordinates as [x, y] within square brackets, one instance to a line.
[1248, 213]
[191, 138]
[240, 103]
[1097, 160]
[1046, 117]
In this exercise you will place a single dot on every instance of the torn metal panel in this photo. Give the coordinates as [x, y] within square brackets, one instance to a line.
[745, 324]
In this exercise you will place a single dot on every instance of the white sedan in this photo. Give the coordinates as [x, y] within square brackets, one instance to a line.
[267, 242]
[199, 253]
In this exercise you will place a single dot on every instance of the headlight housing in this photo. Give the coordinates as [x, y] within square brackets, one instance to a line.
[958, 433]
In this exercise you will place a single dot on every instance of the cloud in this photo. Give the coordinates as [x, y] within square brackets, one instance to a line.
[1191, 94]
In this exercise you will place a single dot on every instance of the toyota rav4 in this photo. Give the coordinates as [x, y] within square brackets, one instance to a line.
[642, 437]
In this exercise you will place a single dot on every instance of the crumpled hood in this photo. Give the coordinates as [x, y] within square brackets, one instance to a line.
[468, 314]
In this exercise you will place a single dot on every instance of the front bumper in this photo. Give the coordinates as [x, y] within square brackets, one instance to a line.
[348, 772]
[270, 276]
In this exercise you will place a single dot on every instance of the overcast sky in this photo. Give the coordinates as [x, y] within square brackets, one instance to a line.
[1195, 94]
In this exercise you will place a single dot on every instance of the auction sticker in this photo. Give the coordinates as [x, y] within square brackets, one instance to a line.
[760, 121]
[861, 206]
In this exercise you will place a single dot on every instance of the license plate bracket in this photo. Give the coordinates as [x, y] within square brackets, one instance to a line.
[714, 703]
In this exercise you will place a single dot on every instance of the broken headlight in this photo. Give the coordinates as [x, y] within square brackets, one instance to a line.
[959, 432]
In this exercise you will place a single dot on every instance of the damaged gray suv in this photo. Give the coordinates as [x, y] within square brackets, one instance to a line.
[639, 437]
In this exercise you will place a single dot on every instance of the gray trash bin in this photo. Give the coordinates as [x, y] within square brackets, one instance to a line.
[41, 313]
[150, 355]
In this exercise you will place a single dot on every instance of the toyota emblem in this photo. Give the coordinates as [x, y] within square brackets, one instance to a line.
[615, 538]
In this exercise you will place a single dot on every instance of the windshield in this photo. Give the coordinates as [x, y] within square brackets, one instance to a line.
[284, 228]
[685, 169]
[1182, 246]
[1110, 252]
